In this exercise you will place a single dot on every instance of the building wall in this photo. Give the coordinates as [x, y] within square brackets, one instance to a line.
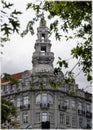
[60, 118]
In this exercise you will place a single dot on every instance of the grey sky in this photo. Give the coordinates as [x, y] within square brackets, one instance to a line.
[17, 53]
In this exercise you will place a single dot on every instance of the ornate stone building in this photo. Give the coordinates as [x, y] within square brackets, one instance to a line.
[42, 99]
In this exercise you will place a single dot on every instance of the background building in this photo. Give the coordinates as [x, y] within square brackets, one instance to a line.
[42, 99]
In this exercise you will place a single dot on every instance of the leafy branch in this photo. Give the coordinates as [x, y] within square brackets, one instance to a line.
[54, 83]
[11, 79]
[75, 16]
[12, 23]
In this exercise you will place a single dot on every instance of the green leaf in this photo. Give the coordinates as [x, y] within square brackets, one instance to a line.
[32, 87]
[59, 58]
[6, 29]
[89, 77]
[41, 86]
[15, 24]
[6, 5]
[7, 109]
[53, 83]
[29, 5]
[16, 12]
[72, 93]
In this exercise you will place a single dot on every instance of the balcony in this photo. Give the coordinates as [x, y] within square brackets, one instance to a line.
[25, 107]
[81, 112]
[44, 105]
[62, 108]
[88, 114]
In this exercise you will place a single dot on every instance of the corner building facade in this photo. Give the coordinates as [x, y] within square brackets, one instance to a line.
[42, 99]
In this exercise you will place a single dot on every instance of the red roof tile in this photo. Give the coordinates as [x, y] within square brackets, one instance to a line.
[16, 76]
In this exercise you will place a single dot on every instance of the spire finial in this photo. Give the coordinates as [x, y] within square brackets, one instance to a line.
[42, 21]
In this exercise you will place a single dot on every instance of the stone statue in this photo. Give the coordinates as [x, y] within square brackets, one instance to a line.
[42, 21]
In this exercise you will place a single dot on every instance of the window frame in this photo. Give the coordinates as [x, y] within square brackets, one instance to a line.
[62, 118]
[18, 118]
[25, 117]
[80, 122]
[44, 116]
[79, 105]
[68, 120]
[73, 121]
[25, 100]
[73, 104]
[38, 118]
[41, 98]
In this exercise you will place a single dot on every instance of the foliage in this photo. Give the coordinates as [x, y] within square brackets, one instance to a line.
[28, 28]
[57, 70]
[9, 22]
[68, 77]
[75, 16]
[72, 93]
[11, 79]
[8, 110]
[32, 87]
[41, 86]
[62, 63]
[54, 83]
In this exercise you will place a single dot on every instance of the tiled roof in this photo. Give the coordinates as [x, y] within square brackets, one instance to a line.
[15, 76]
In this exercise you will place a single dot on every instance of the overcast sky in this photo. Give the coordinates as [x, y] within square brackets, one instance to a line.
[17, 53]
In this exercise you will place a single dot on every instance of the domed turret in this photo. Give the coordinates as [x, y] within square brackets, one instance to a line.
[42, 57]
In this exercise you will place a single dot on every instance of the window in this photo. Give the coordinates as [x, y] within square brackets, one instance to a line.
[79, 106]
[25, 117]
[37, 117]
[25, 101]
[88, 123]
[61, 99]
[62, 117]
[43, 50]
[73, 104]
[44, 117]
[3, 87]
[42, 36]
[7, 88]
[27, 83]
[18, 118]
[51, 117]
[88, 107]
[67, 120]
[80, 122]
[38, 99]
[73, 121]
[44, 98]
[66, 103]
[11, 87]
[50, 99]
[18, 102]
[12, 100]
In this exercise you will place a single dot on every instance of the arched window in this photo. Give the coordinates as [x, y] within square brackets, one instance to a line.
[50, 99]
[44, 98]
[38, 99]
